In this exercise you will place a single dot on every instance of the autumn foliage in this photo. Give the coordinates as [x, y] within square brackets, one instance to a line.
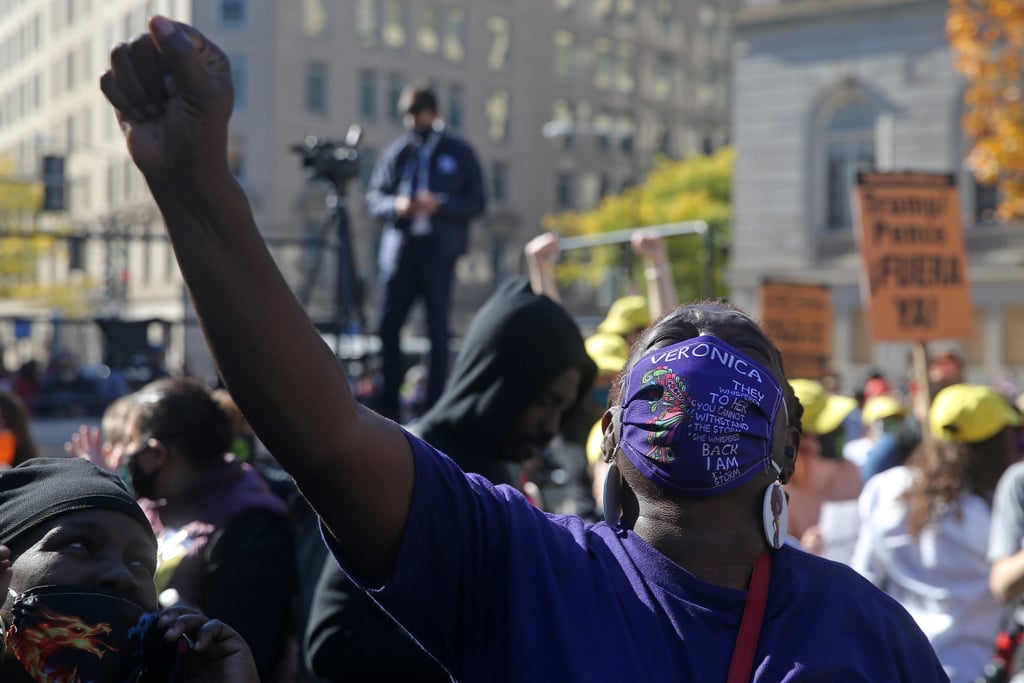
[697, 188]
[987, 37]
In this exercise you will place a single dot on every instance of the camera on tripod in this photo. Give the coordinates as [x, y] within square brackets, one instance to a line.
[326, 159]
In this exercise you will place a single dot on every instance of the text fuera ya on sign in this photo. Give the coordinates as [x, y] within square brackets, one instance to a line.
[915, 280]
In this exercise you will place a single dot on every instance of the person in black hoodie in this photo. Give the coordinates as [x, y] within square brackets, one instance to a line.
[522, 365]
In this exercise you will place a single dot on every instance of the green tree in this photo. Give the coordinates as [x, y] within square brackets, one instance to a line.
[697, 188]
[22, 246]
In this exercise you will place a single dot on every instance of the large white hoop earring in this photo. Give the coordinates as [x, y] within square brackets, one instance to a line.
[613, 496]
[775, 515]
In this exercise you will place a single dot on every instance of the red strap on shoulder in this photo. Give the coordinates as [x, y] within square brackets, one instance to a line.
[742, 664]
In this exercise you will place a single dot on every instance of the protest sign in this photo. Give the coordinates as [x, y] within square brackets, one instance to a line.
[914, 282]
[798, 318]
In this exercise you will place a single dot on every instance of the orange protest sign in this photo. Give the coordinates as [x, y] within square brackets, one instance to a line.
[914, 281]
[798, 318]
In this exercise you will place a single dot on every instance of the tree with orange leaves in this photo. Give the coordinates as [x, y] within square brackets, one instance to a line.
[987, 37]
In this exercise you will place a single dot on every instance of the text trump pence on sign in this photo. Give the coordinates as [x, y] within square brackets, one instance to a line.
[915, 280]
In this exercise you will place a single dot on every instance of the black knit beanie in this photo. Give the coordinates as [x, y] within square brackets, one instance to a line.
[43, 488]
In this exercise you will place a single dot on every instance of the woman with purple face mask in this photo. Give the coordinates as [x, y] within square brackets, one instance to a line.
[684, 582]
[77, 561]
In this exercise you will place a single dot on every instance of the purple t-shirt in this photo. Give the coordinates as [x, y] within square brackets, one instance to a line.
[497, 590]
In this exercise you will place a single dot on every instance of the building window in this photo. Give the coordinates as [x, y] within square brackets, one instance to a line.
[499, 182]
[456, 108]
[69, 133]
[127, 173]
[627, 131]
[240, 77]
[565, 54]
[366, 21]
[562, 113]
[368, 95]
[393, 25]
[232, 13]
[605, 127]
[314, 17]
[85, 128]
[565, 194]
[316, 87]
[367, 161]
[664, 138]
[69, 72]
[627, 11]
[455, 34]
[500, 30]
[849, 145]
[665, 11]
[396, 84]
[604, 67]
[427, 39]
[625, 80]
[497, 116]
[986, 201]
[664, 75]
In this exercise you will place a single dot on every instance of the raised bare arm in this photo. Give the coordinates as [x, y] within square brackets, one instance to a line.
[173, 95]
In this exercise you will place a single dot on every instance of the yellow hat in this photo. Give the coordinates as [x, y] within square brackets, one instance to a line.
[823, 412]
[969, 413]
[880, 408]
[608, 351]
[628, 314]
[595, 444]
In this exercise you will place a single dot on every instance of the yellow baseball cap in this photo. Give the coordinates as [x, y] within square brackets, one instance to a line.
[969, 413]
[880, 408]
[628, 314]
[823, 412]
[608, 351]
[595, 444]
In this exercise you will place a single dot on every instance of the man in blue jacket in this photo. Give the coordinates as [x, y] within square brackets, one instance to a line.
[426, 188]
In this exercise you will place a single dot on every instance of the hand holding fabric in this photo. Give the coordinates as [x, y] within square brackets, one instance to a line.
[217, 654]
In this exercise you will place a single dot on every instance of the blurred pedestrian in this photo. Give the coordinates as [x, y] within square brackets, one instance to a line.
[426, 189]
[17, 444]
[521, 366]
[226, 544]
[924, 526]
[822, 474]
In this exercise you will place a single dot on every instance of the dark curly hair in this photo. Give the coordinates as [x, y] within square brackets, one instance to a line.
[183, 414]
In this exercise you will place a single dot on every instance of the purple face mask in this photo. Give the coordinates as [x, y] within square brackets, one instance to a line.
[698, 417]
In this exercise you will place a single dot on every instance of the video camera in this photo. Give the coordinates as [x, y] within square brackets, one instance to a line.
[326, 159]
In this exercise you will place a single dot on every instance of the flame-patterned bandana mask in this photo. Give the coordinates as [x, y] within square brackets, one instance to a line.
[78, 634]
[698, 417]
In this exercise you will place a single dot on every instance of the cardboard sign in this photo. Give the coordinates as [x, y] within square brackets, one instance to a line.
[914, 281]
[798, 318]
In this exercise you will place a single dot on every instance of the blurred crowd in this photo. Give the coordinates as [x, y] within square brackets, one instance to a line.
[914, 487]
[653, 499]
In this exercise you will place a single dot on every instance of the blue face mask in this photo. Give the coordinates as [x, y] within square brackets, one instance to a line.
[600, 396]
